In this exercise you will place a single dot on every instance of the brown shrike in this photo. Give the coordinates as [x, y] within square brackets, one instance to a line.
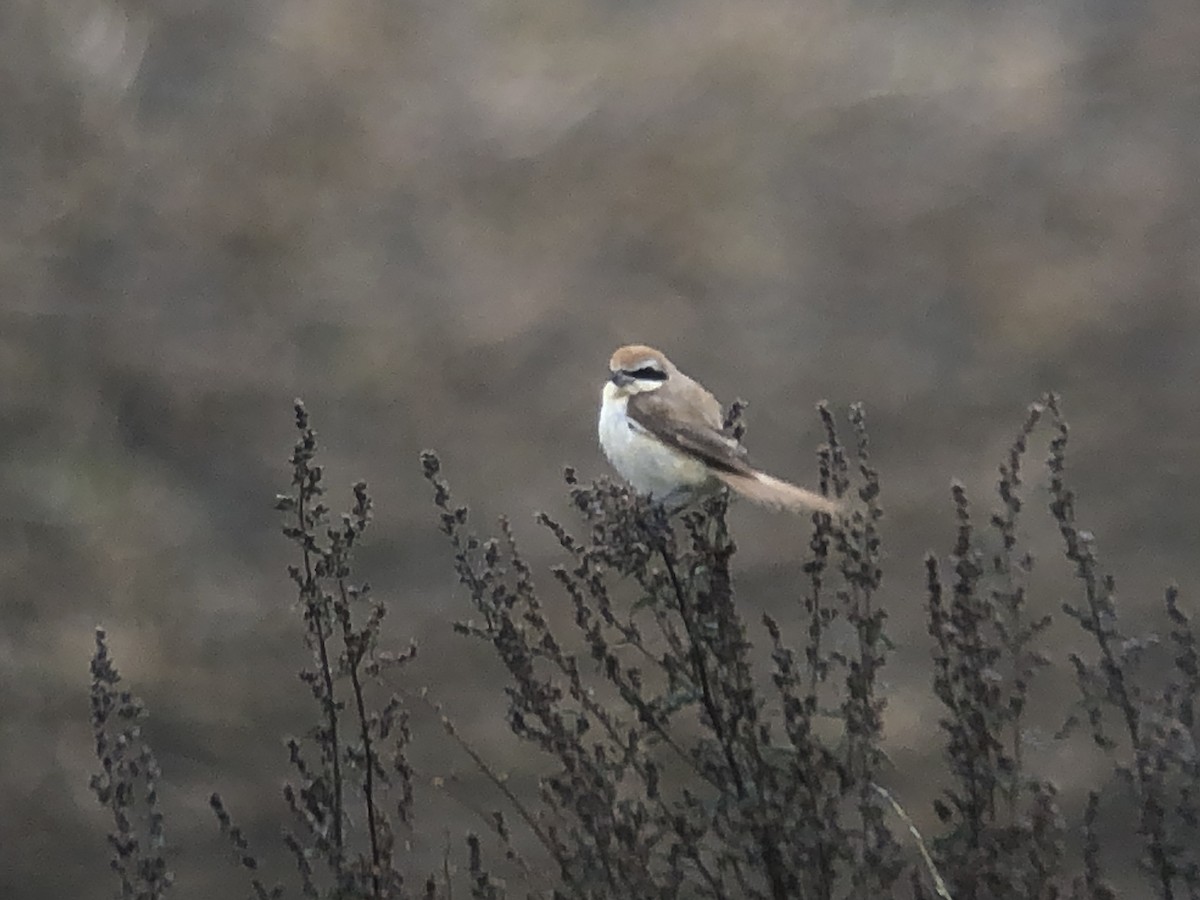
[663, 432]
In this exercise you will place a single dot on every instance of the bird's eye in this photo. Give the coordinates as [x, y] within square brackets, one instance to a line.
[649, 373]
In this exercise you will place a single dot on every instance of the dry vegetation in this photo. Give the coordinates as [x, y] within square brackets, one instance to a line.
[684, 749]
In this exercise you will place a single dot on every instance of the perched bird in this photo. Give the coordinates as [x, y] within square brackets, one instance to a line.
[662, 432]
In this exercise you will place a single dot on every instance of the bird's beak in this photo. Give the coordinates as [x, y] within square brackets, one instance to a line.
[621, 378]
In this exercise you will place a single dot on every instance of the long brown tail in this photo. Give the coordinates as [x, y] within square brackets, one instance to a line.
[767, 491]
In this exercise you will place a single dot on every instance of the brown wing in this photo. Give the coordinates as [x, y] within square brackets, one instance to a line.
[688, 427]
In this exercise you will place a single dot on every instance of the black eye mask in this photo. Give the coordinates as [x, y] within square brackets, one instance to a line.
[647, 373]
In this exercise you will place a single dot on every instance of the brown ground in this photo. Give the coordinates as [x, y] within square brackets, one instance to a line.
[434, 221]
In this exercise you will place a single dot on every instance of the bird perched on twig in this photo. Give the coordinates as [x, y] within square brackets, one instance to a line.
[663, 432]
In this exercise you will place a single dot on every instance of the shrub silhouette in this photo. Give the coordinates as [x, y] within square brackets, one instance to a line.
[691, 750]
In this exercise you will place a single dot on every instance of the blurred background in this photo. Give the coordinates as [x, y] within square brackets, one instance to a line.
[435, 220]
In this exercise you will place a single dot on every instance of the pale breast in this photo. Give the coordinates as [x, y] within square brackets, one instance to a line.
[643, 460]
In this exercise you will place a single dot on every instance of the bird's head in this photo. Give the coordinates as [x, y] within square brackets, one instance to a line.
[635, 369]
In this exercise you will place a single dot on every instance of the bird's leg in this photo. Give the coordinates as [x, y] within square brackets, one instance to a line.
[678, 500]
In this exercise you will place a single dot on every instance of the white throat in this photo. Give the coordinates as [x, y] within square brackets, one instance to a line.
[648, 464]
